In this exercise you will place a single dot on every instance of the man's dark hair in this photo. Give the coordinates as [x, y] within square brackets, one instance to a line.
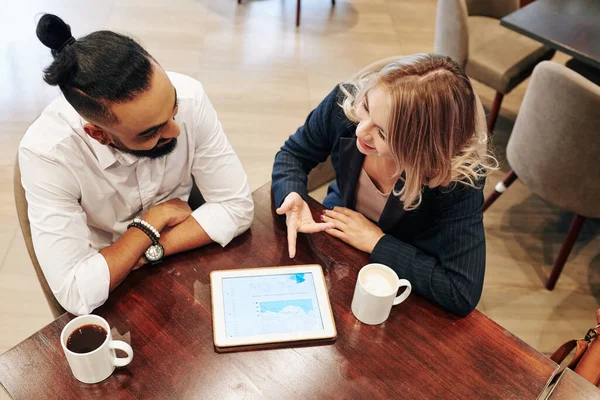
[98, 69]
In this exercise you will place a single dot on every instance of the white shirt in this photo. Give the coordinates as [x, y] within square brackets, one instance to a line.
[82, 195]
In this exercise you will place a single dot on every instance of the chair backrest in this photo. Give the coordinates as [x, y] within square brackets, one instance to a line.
[21, 203]
[451, 26]
[196, 199]
[555, 145]
[451, 30]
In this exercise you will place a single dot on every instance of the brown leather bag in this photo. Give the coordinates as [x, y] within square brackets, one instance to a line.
[586, 360]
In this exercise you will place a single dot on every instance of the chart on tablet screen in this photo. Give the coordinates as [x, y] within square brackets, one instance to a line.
[258, 305]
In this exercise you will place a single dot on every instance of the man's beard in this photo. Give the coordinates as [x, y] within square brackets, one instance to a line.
[157, 151]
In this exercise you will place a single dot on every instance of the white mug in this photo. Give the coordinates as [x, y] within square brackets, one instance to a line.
[375, 293]
[98, 364]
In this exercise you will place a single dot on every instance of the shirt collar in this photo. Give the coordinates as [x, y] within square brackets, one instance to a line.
[108, 155]
[125, 159]
[105, 156]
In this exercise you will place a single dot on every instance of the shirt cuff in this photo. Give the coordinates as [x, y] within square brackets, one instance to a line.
[216, 222]
[93, 283]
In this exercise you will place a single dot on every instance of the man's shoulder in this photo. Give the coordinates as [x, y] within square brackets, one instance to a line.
[57, 124]
[187, 87]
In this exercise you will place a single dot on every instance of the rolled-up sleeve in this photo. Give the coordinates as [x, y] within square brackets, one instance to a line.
[220, 177]
[77, 274]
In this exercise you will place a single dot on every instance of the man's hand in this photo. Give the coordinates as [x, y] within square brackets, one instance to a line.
[141, 262]
[298, 219]
[164, 216]
[353, 228]
[168, 214]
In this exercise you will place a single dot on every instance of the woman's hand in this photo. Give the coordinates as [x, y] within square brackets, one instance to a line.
[353, 228]
[298, 219]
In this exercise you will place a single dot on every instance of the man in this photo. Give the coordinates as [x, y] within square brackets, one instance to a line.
[108, 168]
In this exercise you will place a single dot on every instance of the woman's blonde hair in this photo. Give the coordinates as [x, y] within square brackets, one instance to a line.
[436, 135]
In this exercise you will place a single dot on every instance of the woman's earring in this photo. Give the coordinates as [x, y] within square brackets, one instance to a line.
[103, 141]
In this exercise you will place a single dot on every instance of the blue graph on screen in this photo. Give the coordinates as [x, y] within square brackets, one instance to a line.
[258, 305]
[277, 306]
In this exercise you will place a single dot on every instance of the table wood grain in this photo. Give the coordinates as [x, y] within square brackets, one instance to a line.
[571, 386]
[421, 351]
[570, 26]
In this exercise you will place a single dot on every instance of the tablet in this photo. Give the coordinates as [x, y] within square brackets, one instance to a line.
[257, 306]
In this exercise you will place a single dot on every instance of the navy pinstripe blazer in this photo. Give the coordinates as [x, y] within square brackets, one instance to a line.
[439, 247]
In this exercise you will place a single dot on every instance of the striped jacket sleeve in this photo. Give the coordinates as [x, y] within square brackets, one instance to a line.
[454, 277]
[310, 145]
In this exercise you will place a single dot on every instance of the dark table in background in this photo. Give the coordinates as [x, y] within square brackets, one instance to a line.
[570, 26]
[421, 352]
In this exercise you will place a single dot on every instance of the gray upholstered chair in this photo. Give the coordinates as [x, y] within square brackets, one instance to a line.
[469, 32]
[554, 148]
[21, 203]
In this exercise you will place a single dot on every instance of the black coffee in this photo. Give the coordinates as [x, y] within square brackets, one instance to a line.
[86, 338]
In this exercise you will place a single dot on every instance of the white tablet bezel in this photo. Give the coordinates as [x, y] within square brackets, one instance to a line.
[219, 333]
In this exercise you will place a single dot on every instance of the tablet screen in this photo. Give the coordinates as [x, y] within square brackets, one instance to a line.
[270, 304]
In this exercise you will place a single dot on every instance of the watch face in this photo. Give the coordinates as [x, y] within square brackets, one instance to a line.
[155, 252]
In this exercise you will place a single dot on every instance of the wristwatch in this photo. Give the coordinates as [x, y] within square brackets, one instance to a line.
[155, 253]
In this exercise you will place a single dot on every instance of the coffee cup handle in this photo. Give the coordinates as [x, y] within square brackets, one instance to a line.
[403, 296]
[119, 345]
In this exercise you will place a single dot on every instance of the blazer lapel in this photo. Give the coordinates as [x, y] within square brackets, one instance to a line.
[393, 211]
[351, 162]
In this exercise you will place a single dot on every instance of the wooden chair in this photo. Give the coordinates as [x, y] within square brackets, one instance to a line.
[469, 32]
[298, 8]
[554, 148]
[21, 203]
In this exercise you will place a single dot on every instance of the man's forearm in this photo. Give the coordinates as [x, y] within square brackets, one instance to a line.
[123, 255]
[126, 253]
[186, 236]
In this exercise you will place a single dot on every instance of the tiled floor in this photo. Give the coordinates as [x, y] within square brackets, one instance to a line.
[263, 76]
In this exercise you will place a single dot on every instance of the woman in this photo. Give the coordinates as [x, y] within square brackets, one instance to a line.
[409, 148]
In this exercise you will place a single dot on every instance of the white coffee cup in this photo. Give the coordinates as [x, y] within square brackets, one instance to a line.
[375, 293]
[99, 364]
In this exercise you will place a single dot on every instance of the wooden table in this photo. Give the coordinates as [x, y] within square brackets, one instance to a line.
[421, 352]
[571, 386]
[570, 26]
